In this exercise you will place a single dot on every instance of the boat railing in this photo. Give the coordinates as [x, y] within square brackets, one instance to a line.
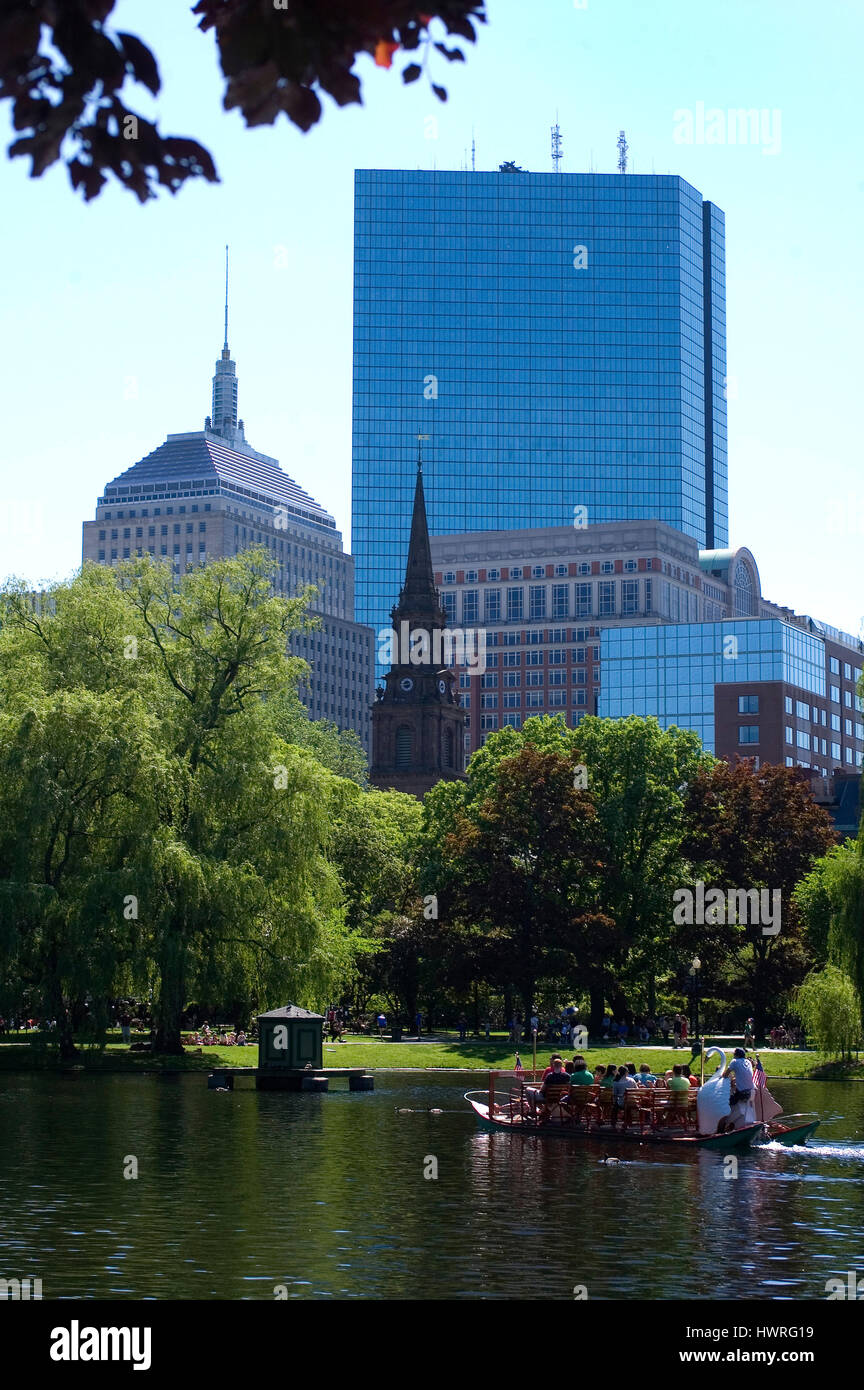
[662, 1103]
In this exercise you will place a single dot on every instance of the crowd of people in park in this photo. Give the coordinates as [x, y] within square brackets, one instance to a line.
[641, 1028]
[213, 1037]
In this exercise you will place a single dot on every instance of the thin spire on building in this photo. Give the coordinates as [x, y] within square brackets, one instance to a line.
[223, 420]
[225, 345]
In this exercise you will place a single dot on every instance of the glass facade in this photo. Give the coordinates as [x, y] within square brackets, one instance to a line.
[671, 672]
[561, 340]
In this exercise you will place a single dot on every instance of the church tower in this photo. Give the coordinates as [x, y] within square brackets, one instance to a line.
[417, 724]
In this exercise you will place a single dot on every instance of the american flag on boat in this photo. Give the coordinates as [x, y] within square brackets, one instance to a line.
[767, 1108]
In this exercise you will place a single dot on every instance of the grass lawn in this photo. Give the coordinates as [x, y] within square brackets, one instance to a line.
[499, 1056]
[22, 1055]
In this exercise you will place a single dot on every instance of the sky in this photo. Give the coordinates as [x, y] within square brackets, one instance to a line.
[111, 313]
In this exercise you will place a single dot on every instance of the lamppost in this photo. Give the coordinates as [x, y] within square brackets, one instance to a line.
[695, 967]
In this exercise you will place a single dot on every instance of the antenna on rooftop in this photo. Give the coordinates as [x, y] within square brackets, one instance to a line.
[556, 146]
[420, 439]
[623, 147]
[473, 166]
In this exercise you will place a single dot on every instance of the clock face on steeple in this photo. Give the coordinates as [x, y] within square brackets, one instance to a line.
[442, 687]
[406, 684]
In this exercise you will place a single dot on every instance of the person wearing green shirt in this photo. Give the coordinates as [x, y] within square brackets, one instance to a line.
[677, 1081]
[580, 1075]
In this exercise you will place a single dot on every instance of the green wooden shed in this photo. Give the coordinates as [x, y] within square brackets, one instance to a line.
[290, 1037]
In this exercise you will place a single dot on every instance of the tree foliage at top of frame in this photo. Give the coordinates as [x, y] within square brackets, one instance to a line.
[65, 73]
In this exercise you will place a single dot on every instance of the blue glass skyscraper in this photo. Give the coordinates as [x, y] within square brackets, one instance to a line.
[561, 340]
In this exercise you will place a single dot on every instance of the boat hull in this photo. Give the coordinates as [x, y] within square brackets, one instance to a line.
[789, 1135]
[719, 1143]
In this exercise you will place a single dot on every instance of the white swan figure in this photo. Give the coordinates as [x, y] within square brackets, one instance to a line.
[712, 1097]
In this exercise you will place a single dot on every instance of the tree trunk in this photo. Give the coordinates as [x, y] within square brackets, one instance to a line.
[57, 1007]
[527, 997]
[597, 997]
[172, 990]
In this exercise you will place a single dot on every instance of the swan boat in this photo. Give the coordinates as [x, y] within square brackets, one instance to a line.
[651, 1115]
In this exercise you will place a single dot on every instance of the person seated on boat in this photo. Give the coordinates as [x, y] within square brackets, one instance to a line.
[568, 1067]
[646, 1076]
[609, 1079]
[677, 1081]
[580, 1075]
[554, 1081]
[741, 1110]
[622, 1083]
[556, 1057]
[685, 1071]
[631, 1068]
[599, 1075]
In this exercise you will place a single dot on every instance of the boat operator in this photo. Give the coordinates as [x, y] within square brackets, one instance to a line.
[741, 1111]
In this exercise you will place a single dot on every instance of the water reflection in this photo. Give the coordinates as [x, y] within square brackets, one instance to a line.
[241, 1192]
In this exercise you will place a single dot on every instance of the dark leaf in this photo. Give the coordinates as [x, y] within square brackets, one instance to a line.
[453, 55]
[141, 61]
[412, 72]
[462, 27]
[440, 92]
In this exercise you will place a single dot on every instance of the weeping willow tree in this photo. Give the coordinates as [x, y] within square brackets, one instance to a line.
[829, 1006]
[237, 884]
[831, 900]
[77, 773]
[154, 826]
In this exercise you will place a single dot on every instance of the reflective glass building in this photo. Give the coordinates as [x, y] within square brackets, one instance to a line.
[559, 337]
[671, 672]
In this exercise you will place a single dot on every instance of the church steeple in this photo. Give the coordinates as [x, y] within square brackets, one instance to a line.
[223, 420]
[418, 597]
[417, 721]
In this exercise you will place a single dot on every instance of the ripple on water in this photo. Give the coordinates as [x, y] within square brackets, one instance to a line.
[508, 1218]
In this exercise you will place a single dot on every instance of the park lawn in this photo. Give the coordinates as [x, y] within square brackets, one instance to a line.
[494, 1056]
[389, 1056]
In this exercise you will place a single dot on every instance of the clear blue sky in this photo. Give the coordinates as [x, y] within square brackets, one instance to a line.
[112, 312]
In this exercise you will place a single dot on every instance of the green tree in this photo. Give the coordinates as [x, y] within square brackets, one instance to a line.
[79, 776]
[374, 849]
[830, 900]
[520, 863]
[634, 777]
[829, 1006]
[757, 829]
[339, 750]
[229, 859]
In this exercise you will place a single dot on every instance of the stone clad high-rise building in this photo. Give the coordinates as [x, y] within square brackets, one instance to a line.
[208, 493]
[417, 723]
[561, 338]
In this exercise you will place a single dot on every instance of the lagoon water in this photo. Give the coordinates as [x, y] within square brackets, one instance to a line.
[246, 1195]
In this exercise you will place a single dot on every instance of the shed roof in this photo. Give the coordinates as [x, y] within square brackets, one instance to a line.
[290, 1011]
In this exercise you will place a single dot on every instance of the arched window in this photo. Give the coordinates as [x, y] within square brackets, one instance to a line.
[745, 605]
[448, 747]
[404, 745]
